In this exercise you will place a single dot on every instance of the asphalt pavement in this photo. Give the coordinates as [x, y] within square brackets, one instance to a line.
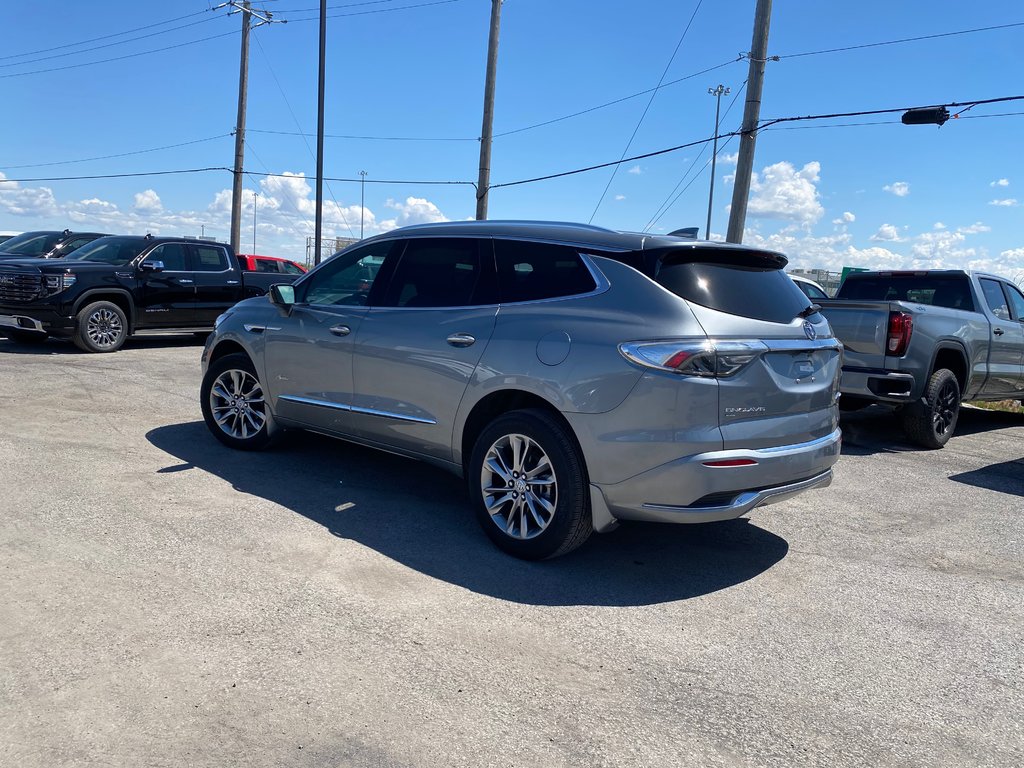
[165, 601]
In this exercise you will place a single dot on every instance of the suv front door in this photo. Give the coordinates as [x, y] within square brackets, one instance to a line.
[420, 343]
[308, 354]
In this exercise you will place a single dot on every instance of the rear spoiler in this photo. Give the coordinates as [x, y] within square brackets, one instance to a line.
[730, 255]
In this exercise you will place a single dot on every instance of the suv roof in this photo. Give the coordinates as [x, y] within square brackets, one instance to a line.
[585, 235]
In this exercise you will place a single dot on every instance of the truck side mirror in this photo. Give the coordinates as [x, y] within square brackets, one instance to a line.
[282, 295]
[151, 266]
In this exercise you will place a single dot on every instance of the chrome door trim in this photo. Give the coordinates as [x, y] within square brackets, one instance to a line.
[355, 409]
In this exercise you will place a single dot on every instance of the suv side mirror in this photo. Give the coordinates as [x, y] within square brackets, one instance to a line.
[282, 295]
[151, 266]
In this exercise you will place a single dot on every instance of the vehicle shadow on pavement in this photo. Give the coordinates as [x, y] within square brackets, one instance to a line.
[62, 347]
[877, 429]
[1004, 477]
[419, 516]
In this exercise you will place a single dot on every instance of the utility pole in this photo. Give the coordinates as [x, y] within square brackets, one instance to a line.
[319, 221]
[487, 131]
[263, 17]
[362, 202]
[243, 87]
[751, 116]
[717, 93]
[255, 198]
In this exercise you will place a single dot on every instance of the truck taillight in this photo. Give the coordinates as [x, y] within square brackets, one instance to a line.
[901, 325]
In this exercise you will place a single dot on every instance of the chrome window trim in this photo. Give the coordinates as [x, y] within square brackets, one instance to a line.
[355, 409]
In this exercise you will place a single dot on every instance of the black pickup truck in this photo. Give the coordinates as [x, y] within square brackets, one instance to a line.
[118, 286]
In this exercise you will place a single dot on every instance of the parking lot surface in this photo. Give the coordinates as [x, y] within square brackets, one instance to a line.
[168, 602]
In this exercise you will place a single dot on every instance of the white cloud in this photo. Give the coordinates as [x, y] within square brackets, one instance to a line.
[620, 197]
[782, 192]
[26, 201]
[938, 225]
[727, 159]
[1009, 202]
[635, 170]
[898, 188]
[974, 228]
[846, 218]
[148, 202]
[415, 210]
[887, 233]
[999, 183]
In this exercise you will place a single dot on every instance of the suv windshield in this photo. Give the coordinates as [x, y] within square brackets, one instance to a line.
[117, 251]
[31, 243]
[740, 283]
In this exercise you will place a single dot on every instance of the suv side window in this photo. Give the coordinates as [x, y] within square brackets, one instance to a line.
[348, 278]
[1016, 301]
[172, 255]
[291, 269]
[534, 271]
[440, 272]
[266, 265]
[995, 299]
[210, 258]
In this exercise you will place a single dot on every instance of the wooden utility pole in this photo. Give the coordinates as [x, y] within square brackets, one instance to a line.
[487, 131]
[751, 116]
[243, 87]
[318, 228]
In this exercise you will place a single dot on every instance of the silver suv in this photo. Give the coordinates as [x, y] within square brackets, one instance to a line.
[575, 376]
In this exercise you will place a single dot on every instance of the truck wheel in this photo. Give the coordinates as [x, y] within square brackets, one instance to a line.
[932, 421]
[528, 486]
[24, 337]
[233, 404]
[100, 327]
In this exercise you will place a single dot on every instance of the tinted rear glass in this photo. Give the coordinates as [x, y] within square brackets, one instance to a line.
[535, 271]
[762, 293]
[951, 291]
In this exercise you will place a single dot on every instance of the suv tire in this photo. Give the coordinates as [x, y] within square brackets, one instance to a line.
[528, 485]
[931, 421]
[100, 327]
[234, 409]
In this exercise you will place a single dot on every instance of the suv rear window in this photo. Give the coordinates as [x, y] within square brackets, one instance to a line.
[950, 291]
[530, 271]
[738, 284]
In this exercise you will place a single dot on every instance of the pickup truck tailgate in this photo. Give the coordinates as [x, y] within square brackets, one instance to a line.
[863, 327]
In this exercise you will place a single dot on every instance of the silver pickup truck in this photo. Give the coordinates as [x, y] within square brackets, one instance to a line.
[924, 341]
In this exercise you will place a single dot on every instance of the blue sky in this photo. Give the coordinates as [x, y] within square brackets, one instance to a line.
[828, 194]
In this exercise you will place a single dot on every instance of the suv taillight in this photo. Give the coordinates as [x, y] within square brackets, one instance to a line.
[694, 358]
[901, 325]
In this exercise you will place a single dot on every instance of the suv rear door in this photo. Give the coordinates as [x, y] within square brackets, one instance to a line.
[217, 283]
[782, 361]
[420, 343]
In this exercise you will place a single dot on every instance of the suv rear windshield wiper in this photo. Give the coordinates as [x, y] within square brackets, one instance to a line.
[807, 312]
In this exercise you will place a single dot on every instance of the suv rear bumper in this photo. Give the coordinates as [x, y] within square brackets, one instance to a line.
[689, 491]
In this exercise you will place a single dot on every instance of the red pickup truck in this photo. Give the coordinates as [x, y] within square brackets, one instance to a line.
[253, 263]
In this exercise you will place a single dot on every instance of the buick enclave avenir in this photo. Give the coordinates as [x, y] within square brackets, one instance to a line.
[575, 376]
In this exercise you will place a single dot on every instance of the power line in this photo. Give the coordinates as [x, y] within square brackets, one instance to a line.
[273, 74]
[121, 154]
[619, 101]
[332, 7]
[108, 45]
[378, 181]
[379, 10]
[904, 40]
[647, 108]
[762, 126]
[116, 175]
[104, 37]
[666, 204]
[368, 138]
[120, 58]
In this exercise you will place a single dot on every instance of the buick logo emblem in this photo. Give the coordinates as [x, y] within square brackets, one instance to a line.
[809, 331]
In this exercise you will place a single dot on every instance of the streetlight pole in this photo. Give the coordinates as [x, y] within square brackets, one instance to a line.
[362, 202]
[717, 93]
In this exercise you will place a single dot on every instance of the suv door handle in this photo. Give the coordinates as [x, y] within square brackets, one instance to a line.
[185, 280]
[340, 330]
[461, 340]
[998, 331]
